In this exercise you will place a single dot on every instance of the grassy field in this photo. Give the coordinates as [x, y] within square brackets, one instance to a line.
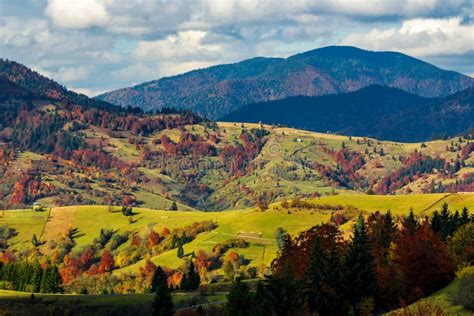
[19, 303]
[89, 220]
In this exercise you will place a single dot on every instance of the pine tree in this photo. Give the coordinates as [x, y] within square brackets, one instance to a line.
[239, 300]
[410, 223]
[174, 206]
[162, 302]
[51, 280]
[180, 252]
[159, 277]
[360, 275]
[465, 216]
[37, 274]
[34, 240]
[285, 292]
[323, 288]
[191, 279]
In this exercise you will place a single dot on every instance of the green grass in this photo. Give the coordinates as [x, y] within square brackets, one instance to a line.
[89, 220]
[103, 304]
[442, 298]
[25, 223]
[401, 204]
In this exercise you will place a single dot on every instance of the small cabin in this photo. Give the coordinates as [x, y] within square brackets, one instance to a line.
[38, 207]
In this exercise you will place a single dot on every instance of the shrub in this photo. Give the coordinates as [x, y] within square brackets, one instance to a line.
[464, 294]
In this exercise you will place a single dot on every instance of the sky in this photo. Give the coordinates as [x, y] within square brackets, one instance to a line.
[94, 46]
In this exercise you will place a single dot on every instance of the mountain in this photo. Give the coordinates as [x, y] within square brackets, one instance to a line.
[16, 77]
[57, 152]
[219, 90]
[375, 111]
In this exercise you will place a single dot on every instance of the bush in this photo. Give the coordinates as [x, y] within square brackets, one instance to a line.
[464, 294]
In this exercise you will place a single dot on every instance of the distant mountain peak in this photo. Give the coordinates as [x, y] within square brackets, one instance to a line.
[219, 90]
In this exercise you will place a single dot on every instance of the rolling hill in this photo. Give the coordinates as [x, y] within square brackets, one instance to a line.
[375, 111]
[219, 90]
[58, 152]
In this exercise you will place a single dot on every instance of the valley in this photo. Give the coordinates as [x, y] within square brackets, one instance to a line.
[335, 181]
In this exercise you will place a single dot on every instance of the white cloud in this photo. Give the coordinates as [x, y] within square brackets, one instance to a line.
[77, 14]
[115, 43]
[184, 46]
[69, 74]
[19, 33]
[419, 37]
[89, 92]
[136, 71]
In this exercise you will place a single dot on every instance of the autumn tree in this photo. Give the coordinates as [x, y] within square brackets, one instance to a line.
[423, 259]
[107, 262]
[461, 245]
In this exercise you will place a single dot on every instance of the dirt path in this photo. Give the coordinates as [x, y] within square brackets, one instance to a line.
[58, 222]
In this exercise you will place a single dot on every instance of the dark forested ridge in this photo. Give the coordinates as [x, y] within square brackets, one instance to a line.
[15, 77]
[374, 111]
[219, 90]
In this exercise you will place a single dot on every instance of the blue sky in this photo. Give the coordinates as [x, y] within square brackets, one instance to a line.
[93, 46]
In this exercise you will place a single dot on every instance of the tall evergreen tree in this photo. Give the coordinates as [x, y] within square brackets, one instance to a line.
[410, 223]
[180, 251]
[285, 292]
[34, 240]
[159, 277]
[465, 216]
[37, 274]
[324, 274]
[360, 276]
[239, 300]
[162, 302]
[191, 279]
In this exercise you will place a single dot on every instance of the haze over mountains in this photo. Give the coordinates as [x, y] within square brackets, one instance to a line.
[220, 90]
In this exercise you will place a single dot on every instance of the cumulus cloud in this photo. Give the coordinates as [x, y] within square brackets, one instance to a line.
[71, 74]
[77, 14]
[184, 46]
[419, 37]
[106, 44]
[19, 33]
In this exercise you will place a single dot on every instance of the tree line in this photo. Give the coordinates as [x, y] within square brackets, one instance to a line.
[384, 265]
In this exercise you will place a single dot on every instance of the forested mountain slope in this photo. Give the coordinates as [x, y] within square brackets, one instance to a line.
[375, 111]
[219, 90]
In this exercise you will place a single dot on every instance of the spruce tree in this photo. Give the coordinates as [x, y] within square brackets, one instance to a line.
[324, 280]
[34, 240]
[465, 216]
[159, 277]
[180, 252]
[360, 270]
[410, 223]
[174, 206]
[37, 274]
[191, 279]
[285, 292]
[162, 302]
[239, 300]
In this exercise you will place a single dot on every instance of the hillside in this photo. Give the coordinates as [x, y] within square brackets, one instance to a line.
[375, 111]
[219, 90]
[13, 74]
[58, 152]
[255, 226]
